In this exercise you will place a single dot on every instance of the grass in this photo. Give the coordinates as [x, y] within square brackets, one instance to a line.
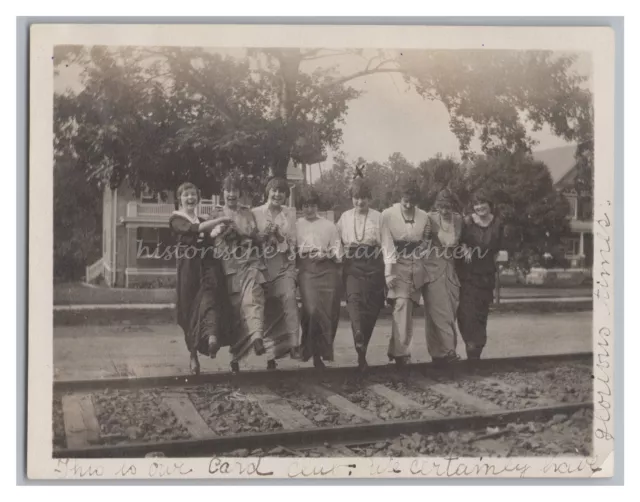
[82, 294]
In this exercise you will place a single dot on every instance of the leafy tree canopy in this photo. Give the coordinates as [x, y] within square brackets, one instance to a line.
[533, 211]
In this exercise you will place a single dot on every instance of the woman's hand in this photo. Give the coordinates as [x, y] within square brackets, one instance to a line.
[207, 226]
[278, 235]
[218, 229]
[391, 280]
[468, 255]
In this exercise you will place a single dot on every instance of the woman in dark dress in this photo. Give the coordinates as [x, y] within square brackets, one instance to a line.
[200, 280]
[482, 239]
[363, 269]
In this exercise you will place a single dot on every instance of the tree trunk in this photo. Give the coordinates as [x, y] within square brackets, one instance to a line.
[289, 60]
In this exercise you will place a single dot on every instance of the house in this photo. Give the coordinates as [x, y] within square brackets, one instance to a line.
[578, 246]
[136, 233]
[561, 164]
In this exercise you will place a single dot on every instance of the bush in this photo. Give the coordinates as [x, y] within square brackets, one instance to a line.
[77, 222]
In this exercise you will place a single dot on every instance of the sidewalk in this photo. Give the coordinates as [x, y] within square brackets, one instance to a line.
[85, 352]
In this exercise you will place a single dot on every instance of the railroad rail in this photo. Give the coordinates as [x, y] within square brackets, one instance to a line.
[296, 431]
[309, 373]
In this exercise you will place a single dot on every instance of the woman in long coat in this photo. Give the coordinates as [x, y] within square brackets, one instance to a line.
[363, 269]
[244, 271]
[319, 274]
[277, 230]
[201, 301]
[482, 235]
[443, 289]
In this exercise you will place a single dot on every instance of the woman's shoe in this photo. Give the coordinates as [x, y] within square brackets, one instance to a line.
[258, 347]
[402, 361]
[235, 367]
[446, 360]
[271, 364]
[194, 365]
[318, 363]
[362, 362]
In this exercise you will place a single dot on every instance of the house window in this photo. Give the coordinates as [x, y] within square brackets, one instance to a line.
[148, 241]
[572, 247]
[573, 207]
[155, 247]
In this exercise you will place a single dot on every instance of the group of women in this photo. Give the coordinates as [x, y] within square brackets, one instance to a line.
[238, 287]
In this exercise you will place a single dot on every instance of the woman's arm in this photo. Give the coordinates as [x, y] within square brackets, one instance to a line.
[208, 225]
[182, 226]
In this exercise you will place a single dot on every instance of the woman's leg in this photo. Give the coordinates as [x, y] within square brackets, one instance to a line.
[401, 328]
[440, 309]
[354, 295]
[282, 320]
[473, 313]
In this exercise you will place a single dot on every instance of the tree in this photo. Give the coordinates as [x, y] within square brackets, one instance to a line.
[494, 96]
[439, 173]
[158, 116]
[534, 213]
[147, 117]
[77, 221]
[384, 179]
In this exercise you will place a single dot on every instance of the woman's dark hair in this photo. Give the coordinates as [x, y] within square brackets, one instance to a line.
[308, 196]
[360, 189]
[184, 187]
[278, 184]
[233, 182]
[410, 188]
[481, 197]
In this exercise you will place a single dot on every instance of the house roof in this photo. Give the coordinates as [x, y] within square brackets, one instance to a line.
[560, 160]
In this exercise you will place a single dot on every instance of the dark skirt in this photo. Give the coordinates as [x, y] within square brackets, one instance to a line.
[476, 296]
[201, 304]
[320, 293]
[365, 290]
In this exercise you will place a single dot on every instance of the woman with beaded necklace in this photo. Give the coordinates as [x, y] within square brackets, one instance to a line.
[363, 272]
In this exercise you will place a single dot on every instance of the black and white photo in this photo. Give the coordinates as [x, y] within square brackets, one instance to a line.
[312, 253]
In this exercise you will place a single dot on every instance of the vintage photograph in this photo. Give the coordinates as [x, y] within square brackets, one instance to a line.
[319, 252]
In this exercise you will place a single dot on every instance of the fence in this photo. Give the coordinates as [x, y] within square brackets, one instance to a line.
[94, 271]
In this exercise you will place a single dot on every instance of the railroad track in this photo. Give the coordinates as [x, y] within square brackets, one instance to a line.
[332, 412]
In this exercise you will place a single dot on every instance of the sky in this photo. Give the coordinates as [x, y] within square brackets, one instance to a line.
[388, 117]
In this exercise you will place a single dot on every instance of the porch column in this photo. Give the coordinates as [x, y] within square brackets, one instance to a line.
[581, 247]
[292, 195]
[132, 252]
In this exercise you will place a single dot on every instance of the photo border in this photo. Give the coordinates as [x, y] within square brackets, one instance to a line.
[616, 139]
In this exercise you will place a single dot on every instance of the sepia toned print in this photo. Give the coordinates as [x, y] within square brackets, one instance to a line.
[321, 258]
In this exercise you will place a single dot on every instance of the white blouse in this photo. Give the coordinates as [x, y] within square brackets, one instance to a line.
[394, 228]
[367, 228]
[285, 220]
[319, 237]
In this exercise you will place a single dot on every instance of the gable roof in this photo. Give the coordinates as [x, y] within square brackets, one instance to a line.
[560, 160]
